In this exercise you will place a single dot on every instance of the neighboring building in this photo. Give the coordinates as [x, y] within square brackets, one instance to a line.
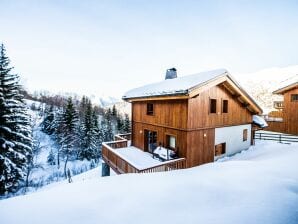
[285, 118]
[201, 117]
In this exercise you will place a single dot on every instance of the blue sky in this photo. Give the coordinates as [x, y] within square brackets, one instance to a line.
[108, 47]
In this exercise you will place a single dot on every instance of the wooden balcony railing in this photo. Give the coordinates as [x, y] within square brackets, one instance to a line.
[120, 165]
[278, 104]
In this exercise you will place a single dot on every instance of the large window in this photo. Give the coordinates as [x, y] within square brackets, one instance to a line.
[225, 104]
[245, 135]
[171, 141]
[150, 109]
[220, 149]
[212, 106]
[294, 97]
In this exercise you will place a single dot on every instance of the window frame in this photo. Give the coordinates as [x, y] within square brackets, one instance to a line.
[294, 97]
[150, 112]
[212, 106]
[245, 135]
[224, 147]
[225, 107]
[168, 136]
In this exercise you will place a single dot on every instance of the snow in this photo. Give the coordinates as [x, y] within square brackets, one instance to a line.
[257, 186]
[138, 158]
[179, 85]
[259, 121]
[291, 81]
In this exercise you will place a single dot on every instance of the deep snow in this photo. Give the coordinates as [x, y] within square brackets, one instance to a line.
[259, 185]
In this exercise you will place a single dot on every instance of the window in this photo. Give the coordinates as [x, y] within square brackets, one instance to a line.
[150, 108]
[294, 97]
[225, 104]
[245, 135]
[171, 142]
[220, 149]
[212, 106]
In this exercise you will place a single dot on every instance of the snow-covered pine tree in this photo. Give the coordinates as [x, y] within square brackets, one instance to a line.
[126, 124]
[114, 111]
[107, 126]
[98, 137]
[70, 134]
[49, 116]
[89, 142]
[15, 129]
[120, 123]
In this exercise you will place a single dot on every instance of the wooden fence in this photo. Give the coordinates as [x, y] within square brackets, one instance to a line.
[282, 138]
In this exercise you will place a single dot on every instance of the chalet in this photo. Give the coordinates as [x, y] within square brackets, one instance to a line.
[285, 117]
[197, 118]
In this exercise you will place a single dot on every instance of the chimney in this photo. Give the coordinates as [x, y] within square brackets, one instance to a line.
[171, 73]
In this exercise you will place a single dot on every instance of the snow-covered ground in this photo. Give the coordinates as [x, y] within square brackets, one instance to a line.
[259, 185]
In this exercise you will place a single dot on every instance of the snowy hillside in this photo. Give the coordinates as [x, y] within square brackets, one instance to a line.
[256, 186]
[107, 101]
[261, 84]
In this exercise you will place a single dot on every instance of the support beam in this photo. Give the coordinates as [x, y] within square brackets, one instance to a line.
[105, 169]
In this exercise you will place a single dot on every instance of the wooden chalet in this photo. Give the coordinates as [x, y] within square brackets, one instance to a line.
[285, 117]
[200, 117]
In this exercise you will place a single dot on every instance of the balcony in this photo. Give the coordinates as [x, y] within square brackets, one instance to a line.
[123, 158]
[278, 105]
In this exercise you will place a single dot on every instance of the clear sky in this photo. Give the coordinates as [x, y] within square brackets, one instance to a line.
[107, 47]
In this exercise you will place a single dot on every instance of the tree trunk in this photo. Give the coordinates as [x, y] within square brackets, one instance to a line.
[58, 159]
[65, 174]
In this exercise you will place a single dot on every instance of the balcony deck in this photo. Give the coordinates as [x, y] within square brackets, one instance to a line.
[123, 158]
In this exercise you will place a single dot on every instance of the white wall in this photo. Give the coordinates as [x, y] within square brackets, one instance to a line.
[233, 137]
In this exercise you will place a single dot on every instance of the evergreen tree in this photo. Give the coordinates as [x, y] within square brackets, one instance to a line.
[120, 123]
[114, 111]
[89, 146]
[69, 135]
[47, 124]
[51, 158]
[15, 129]
[126, 124]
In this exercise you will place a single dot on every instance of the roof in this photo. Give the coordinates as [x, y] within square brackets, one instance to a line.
[189, 86]
[176, 86]
[287, 85]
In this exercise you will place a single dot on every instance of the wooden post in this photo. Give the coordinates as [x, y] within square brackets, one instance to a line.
[105, 170]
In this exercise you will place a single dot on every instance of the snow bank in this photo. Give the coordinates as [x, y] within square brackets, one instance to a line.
[259, 185]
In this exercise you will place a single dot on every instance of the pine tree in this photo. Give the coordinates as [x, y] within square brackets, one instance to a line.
[15, 129]
[69, 136]
[120, 123]
[47, 124]
[89, 146]
[114, 111]
[126, 124]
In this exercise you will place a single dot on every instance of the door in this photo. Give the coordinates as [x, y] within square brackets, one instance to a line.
[150, 140]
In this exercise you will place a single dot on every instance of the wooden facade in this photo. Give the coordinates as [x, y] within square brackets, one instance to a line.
[189, 121]
[289, 112]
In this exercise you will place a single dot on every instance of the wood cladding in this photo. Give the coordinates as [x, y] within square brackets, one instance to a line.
[199, 115]
[291, 112]
[190, 121]
[171, 113]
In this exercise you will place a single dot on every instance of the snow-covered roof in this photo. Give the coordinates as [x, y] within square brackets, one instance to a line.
[259, 121]
[187, 85]
[177, 86]
[287, 85]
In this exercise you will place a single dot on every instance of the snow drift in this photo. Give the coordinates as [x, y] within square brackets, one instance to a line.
[259, 185]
